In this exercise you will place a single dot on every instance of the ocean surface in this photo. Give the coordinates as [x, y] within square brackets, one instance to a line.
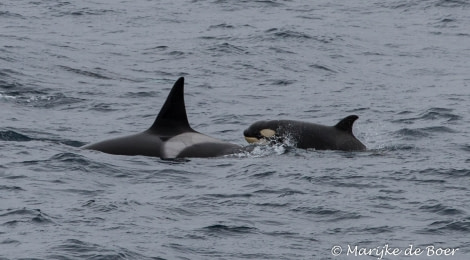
[77, 72]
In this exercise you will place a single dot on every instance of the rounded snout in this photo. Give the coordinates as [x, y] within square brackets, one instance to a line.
[249, 136]
[258, 136]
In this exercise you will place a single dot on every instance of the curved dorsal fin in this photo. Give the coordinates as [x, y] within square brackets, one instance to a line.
[346, 123]
[172, 118]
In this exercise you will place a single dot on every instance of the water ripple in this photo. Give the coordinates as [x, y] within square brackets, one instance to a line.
[14, 217]
[10, 188]
[224, 230]
[441, 209]
[9, 135]
[447, 226]
[98, 73]
[287, 34]
[78, 249]
[409, 133]
[431, 114]
[331, 214]
[227, 48]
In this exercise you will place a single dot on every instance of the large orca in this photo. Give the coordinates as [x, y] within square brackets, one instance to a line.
[170, 136]
[307, 135]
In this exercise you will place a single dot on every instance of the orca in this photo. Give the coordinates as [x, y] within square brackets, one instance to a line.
[306, 135]
[169, 137]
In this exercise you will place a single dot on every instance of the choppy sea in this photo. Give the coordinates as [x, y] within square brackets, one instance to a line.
[76, 72]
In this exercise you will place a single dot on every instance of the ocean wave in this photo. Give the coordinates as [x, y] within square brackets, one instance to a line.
[431, 114]
[99, 206]
[466, 147]
[15, 217]
[328, 213]
[285, 34]
[243, 4]
[277, 33]
[410, 133]
[9, 79]
[10, 188]
[8, 14]
[49, 101]
[229, 196]
[14, 136]
[10, 135]
[322, 67]
[223, 26]
[39, 99]
[446, 173]
[227, 48]
[224, 230]
[79, 249]
[366, 230]
[420, 5]
[280, 192]
[442, 227]
[441, 209]
[7, 97]
[436, 113]
[87, 11]
[97, 73]
[77, 162]
[452, 3]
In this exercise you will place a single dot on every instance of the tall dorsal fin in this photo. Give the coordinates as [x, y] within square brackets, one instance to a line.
[172, 118]
[346, 123]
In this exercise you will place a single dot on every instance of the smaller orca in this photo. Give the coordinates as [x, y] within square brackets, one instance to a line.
[307, 135]
[169, 137]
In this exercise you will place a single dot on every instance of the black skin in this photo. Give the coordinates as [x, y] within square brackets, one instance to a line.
[307, 135]
[171, 122]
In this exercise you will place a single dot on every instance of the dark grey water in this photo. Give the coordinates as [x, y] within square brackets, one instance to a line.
[75, 72]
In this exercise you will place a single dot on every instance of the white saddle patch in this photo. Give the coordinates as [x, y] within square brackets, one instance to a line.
[177, 144]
